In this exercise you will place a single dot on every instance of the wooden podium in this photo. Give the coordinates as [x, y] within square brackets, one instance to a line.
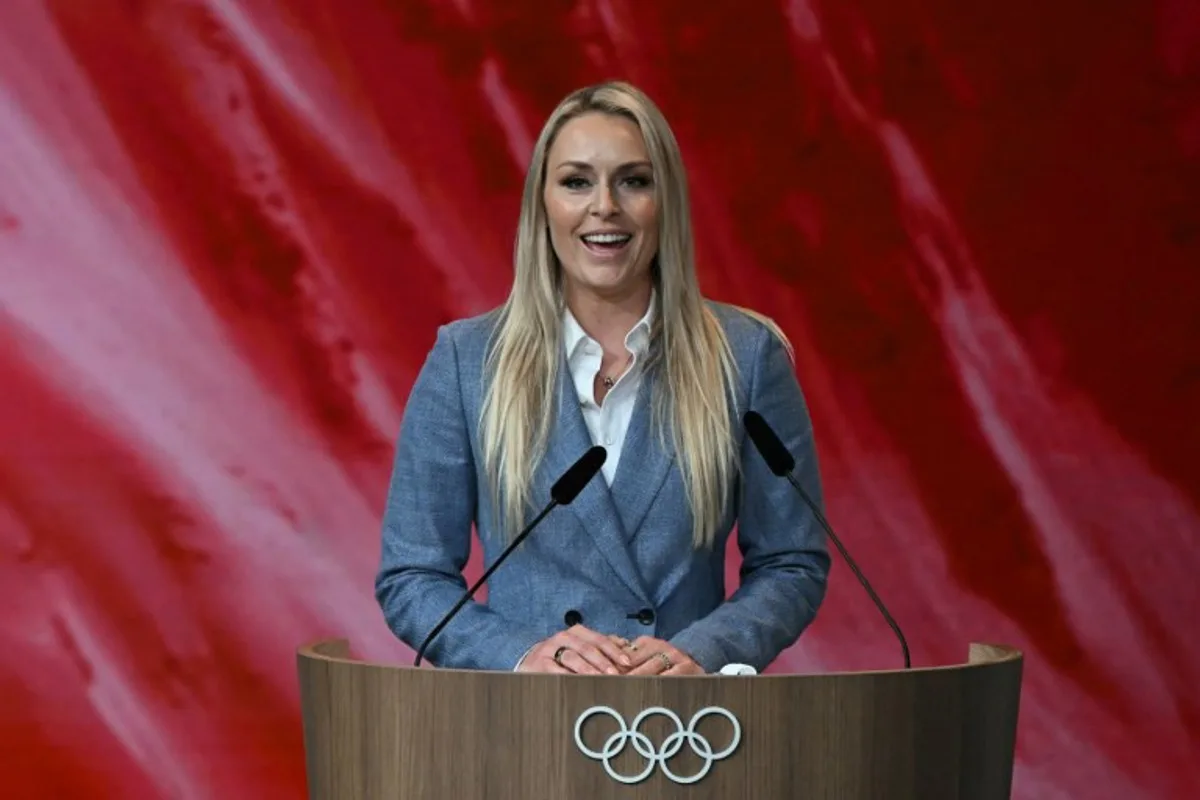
[377, 731]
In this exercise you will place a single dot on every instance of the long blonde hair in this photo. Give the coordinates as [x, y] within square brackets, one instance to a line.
[690, 354]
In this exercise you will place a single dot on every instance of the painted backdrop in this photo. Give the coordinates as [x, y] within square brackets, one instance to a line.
[228, 231]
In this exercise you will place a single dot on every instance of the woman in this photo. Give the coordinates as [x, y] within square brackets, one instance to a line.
[604, 339]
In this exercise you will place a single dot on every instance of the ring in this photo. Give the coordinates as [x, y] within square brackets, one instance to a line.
[558, 656]
[666, 659]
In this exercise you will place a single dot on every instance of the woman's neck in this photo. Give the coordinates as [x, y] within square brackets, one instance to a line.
[609, 319]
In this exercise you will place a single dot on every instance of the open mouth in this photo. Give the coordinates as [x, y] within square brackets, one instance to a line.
[606, 243]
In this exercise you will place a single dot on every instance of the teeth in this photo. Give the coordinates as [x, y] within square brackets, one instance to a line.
[607, 238]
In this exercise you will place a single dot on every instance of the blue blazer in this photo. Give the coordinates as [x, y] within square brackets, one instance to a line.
[620, 560]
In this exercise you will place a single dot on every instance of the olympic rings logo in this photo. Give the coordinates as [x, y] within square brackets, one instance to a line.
[630, 735]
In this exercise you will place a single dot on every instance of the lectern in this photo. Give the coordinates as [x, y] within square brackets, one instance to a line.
[377, 731]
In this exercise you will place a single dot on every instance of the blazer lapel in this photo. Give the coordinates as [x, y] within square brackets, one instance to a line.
[644, 463]
[594, 506]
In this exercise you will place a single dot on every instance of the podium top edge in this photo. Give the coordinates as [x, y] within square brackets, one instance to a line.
[980, 655]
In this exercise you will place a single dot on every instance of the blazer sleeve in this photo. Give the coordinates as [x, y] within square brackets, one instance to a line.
[785, 561]
[427, 523]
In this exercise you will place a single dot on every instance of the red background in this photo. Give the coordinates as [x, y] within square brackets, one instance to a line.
[228, 231]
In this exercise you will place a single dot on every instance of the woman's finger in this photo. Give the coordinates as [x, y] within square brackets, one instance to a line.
[589, 642]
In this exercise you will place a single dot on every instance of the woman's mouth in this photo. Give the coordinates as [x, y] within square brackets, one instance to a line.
[606, 244]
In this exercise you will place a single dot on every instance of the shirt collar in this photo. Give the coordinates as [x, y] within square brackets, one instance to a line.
[637, 341]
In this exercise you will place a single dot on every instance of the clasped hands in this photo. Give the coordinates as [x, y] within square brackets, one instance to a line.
[582, 651]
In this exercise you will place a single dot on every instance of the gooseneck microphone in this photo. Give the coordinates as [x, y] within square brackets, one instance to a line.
[782, 462]
[564, 490]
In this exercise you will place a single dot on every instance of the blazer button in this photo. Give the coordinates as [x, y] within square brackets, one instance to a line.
[572, 618]
[644, 616]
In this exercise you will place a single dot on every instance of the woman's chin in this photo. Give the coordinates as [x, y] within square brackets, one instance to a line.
[611, 282]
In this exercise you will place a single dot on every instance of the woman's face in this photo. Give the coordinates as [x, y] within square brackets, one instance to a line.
[601, 206]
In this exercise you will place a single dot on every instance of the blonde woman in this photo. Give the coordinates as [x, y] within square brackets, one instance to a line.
[604, 340]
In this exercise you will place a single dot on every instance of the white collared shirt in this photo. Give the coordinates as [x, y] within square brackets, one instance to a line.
[607, 422]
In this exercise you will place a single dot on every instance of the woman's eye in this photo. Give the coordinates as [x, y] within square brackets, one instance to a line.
[578, 183]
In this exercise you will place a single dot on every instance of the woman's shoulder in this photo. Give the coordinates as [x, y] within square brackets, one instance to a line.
[756, 342]
[746, 330]
[471, 335]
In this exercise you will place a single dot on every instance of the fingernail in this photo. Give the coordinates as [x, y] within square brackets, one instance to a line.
[612, 671]
[626, 660]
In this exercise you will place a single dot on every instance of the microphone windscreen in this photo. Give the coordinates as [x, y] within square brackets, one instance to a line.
[778, 459]
[577, 476]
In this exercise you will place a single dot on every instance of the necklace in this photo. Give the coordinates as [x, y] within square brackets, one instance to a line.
[609, 381]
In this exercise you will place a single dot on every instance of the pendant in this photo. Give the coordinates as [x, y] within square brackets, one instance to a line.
[607, 381]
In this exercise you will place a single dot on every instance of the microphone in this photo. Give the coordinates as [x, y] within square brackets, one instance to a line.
[781, 462]
[564, 490]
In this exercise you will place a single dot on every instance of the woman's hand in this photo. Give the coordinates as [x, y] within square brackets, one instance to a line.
[581, 651]
[650, 656]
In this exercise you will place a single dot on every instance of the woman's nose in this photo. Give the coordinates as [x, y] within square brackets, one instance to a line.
[604, 203]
